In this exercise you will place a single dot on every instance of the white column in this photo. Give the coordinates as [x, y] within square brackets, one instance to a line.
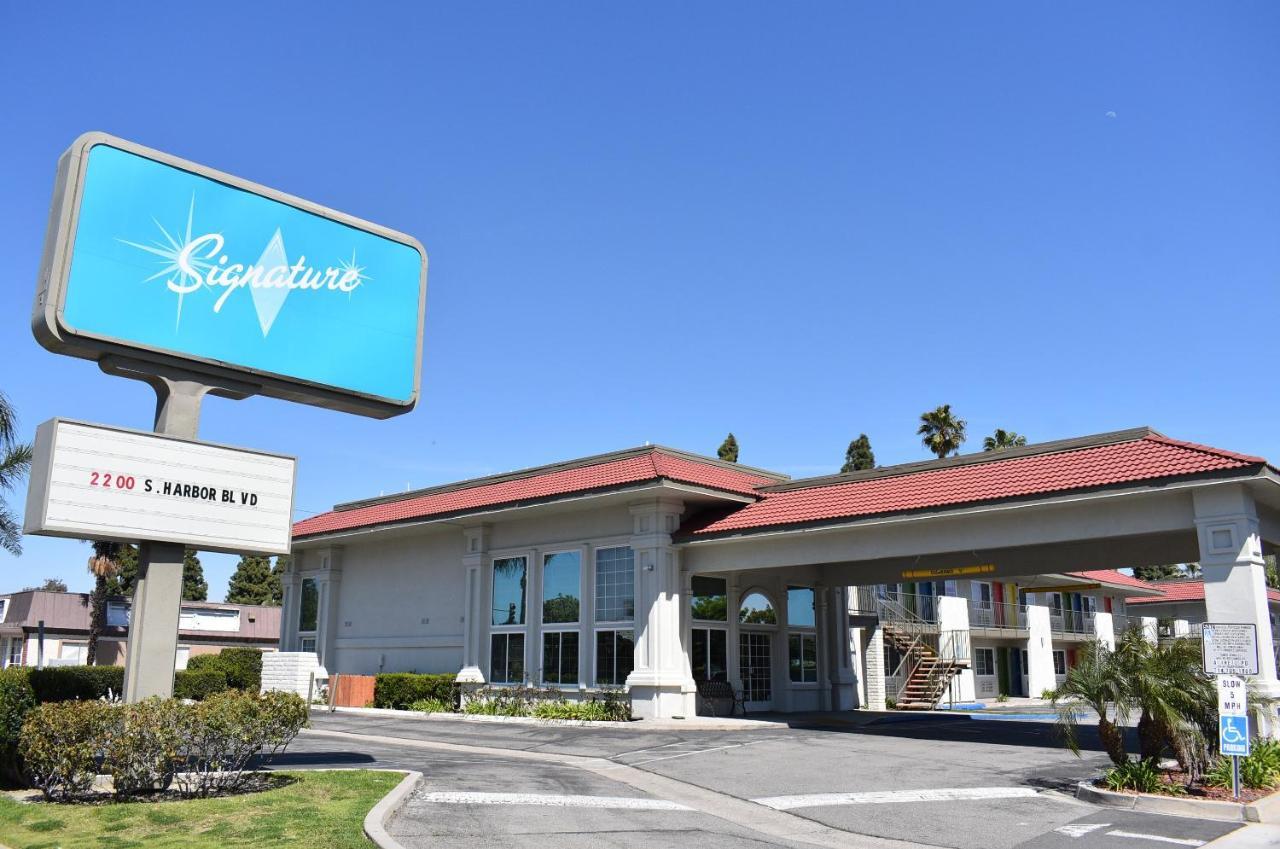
[1235, 587]
[836, 647]
[475, 547]
[875, 669]
[290, 585]
[1182, 628]
[1104, 629]
[1040, 675]
[328, 584]
[661, 684]
[953, 631]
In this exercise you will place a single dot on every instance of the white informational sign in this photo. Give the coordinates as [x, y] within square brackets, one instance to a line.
[1229, 648]
[1232, 698]
[91, 481]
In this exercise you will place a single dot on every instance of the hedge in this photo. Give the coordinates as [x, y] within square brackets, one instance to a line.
[401, 689]
[198, 684]
[243, 667]
[67, 683]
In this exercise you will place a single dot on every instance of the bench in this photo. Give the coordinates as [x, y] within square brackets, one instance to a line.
[709, 691]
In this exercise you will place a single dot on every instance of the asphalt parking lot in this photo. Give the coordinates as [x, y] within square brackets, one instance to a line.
[947, 781]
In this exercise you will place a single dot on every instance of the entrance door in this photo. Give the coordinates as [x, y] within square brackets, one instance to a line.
[754, 654]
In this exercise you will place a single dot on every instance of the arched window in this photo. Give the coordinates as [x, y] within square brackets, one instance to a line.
[757, 610]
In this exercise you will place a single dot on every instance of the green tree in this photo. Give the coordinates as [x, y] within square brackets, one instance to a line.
[941, 431]
[1094, 683]
[1273, 574]
[1003, 439]
[15, 460]
[728, 450]
[122, 583]
[104, 565]
[254, 582]
[194, 587]
[1161, 572]
[858, 457]
[50, 585]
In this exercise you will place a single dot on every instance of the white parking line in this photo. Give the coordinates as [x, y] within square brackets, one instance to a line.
[695, 752]
[550, 800]
[1180, 841]
[881, 797]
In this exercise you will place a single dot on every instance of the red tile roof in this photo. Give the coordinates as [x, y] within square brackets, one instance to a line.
[1184, 591]
[1111, 459]
[612, 470]
[1113, 576]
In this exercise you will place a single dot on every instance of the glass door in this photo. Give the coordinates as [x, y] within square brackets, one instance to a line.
[755, 651]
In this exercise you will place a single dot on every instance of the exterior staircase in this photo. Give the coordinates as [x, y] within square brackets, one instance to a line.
[930, 675]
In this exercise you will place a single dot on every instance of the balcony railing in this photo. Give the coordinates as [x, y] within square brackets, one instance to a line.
[991, 614]
[1071, 622]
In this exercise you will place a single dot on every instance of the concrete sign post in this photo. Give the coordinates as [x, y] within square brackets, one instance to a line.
[199, 282]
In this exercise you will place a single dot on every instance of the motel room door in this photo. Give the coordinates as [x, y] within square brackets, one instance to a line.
[755, 652]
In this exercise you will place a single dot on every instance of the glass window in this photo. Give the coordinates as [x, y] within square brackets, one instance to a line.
[757, 610]
[506, 658]
[615, 657]
[615, 585]
[802, 650]
[308, 644]
[984, 662]
[710, 655]
[1059, 663]
[310, 606]
[560, 657]
[561, 573]
[800, 607]
[710, 599]
[509, 587]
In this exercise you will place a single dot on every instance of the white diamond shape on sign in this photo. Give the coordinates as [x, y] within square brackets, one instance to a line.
[267, 300]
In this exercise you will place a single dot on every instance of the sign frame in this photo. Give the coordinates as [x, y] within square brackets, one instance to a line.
[40, 482]
[54, 333]
[1204, 655]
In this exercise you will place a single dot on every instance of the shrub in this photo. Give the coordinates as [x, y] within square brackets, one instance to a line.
[242, 667]
[142, 743]
[432, 706]
[66, 683]
[401, 689]
[198, 684]
[16, 700]
[1142, 776]
[225, 731]
[1259, 771]
[59, 745]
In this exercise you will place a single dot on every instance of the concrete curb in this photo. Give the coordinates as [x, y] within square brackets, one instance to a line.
[375, 822]
[1266, 809]
[700, 723]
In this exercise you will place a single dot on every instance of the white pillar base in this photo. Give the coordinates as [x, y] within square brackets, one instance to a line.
[662, 698]
[470, 675]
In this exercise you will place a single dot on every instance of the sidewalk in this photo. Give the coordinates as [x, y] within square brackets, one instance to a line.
[1256, 836]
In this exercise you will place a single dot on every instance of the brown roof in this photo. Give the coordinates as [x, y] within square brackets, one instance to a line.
[70, 612]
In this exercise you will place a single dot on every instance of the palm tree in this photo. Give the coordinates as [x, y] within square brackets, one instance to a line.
[15, 459]
[103, 565]
[941, 432]
[1002, 439]
[1176, 699]
[1095, 682]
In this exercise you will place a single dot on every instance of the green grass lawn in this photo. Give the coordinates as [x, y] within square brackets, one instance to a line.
[317, 809]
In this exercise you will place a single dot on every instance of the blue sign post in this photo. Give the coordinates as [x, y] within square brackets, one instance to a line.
[153, 258]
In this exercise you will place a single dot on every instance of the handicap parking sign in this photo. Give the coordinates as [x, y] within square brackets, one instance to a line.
[1233, 735]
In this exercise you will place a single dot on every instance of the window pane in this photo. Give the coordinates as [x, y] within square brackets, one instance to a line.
[569, 657]
[756, 610]
[626, 651]
[615, 585]
[310, 605]
[515, 657]
[560, 576]
[795, 661]
[800, 607]
[498, 658]
[606, 659]
[710, 600]
[718, 657]
[699, 656]
[810, 644]
[508, 591]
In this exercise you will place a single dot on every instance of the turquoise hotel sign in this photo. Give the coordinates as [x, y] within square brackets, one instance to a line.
[155, 259]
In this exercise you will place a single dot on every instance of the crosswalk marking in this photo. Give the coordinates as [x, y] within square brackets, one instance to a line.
[1180, 841]
[1081, 829]
[881, 797]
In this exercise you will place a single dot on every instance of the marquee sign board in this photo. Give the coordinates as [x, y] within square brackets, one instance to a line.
[92, 481]
[153, 258]
[1229, 648]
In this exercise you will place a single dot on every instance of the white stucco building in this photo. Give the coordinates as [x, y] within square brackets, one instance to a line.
[656, 569]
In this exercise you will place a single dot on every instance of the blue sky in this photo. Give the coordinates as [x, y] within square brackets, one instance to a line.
[664, 222]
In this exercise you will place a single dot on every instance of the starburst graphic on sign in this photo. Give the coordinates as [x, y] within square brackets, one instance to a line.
[169, 250]
[358, 270]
